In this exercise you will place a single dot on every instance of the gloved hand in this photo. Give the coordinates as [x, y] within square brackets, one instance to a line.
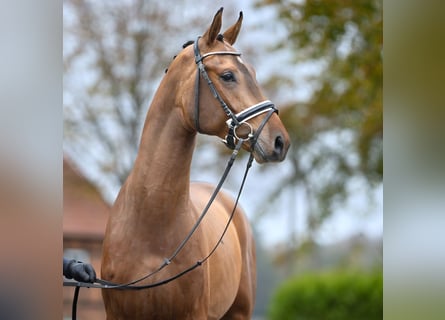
[78, 270]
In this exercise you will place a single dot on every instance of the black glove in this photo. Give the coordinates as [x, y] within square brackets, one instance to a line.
[80, 271]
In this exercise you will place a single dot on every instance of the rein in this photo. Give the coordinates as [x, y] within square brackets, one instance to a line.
[104, 284]
[234, 121]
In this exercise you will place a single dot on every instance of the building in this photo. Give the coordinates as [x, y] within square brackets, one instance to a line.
[85, 215]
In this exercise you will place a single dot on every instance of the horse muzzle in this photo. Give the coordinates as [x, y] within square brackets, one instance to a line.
[271, 149]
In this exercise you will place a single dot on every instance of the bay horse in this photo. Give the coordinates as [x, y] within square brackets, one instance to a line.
[157, 206]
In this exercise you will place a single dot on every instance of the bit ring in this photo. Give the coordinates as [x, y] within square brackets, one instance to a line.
[249, 135]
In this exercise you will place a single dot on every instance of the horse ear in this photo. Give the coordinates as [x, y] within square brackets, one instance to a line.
[232, 33]
[211, 33]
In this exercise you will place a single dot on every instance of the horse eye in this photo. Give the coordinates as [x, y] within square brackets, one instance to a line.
[228, 76]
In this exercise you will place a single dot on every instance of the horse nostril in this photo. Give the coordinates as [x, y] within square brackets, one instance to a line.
[279, 145]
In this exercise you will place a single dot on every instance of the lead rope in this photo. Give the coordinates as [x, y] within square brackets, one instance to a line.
[74, 308]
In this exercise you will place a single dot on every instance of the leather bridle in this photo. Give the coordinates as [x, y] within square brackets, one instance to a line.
[235, 120]
[234, 142]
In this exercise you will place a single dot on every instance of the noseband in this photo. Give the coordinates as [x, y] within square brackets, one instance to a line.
[235, 120]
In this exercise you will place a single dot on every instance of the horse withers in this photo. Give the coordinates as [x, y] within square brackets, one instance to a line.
[207, 89]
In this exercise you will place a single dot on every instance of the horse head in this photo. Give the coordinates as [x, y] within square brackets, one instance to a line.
[222, 97]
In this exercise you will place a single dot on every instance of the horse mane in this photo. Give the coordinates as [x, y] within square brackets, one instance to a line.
[220, 37]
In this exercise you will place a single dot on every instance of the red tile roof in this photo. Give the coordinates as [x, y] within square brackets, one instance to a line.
[85, 213]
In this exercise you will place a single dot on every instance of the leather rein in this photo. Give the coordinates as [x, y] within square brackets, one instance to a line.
[232, 141]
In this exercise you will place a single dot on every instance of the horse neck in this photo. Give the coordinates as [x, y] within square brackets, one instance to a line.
[160, 179]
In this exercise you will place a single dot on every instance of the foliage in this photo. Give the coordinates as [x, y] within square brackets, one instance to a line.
[337, 133]
[329, 296]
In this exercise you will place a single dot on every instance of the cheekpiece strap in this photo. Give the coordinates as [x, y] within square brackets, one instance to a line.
[234, 120]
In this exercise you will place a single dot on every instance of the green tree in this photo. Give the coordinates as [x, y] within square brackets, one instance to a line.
[337, 133]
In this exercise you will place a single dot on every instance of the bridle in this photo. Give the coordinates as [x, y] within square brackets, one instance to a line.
[235, 120]
[234, 142]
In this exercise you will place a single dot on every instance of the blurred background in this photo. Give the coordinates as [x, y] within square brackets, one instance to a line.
[31, 129]
[318, 216]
